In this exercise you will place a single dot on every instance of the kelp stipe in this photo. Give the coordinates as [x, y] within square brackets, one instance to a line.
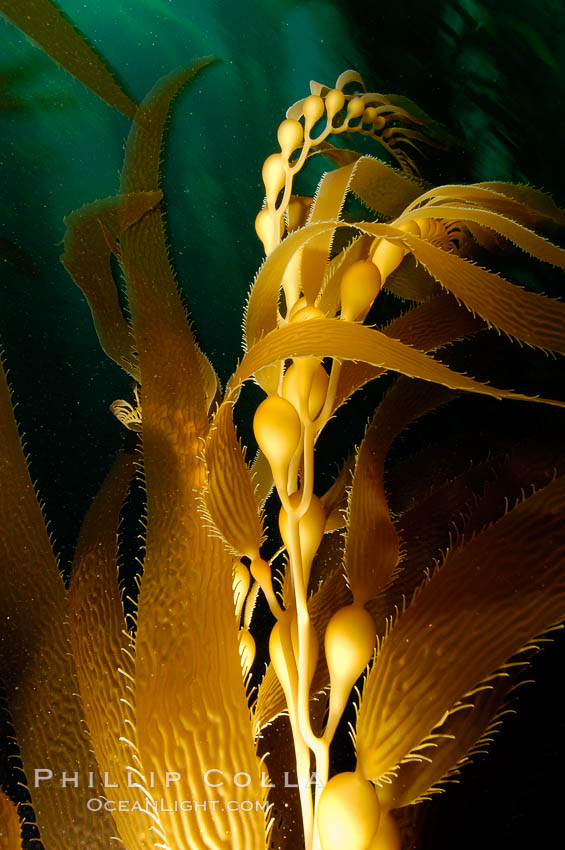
[434, 650]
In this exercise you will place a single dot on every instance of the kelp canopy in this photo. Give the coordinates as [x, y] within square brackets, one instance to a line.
[166, 687]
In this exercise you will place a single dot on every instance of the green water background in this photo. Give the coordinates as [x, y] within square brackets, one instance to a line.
[494, 75]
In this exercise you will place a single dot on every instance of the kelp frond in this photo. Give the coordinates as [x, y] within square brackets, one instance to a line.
[60, 39]
[421, 622]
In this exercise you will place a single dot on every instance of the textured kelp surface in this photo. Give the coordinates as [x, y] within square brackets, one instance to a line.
[456, 26]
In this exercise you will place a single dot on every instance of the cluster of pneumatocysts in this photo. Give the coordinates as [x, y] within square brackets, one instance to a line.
[308, 124]
[346, 810]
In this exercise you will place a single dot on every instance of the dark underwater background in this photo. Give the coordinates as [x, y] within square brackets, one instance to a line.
[494, 74]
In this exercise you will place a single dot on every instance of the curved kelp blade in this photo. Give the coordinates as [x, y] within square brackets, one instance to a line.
[426, 326]
[383, 189]
[538, 204]
[491, 597]
[527, 205]
[347, 341]
[105, 666]
[10, 826]
[411, 281]
[525, 316]
[430, 526]
[334, 500]
[229, 494]
[152, 292]
[59, 38]
[191, 706]
[262, 305]
[527, 240]
[87, 259]
[37, 668]
[329, 296]
[466, 732]
[372, 543]
[328, 202]
[263, 478]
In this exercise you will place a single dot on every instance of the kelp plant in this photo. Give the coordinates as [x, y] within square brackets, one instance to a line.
[145, 728]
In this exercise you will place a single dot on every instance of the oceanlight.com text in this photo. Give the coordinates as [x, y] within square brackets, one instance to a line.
[99, 804]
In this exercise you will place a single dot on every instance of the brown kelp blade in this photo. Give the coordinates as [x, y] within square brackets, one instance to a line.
[522, 203]
[263, 478]
[525, 316]
[426, 326]
[536, 202]
[411, 281]
[348, 341]
[188, 672]
[229, 493]
[372, 544]
[329, 296]
[152, 291]
[330, 197]
[59, 38]
[334, 500]
[10, 826]
[465, 732]
[526, 239]
[384, 190]
[37, 668]
[102, 649]
[492, 596]
[87, 259]
[262, 305]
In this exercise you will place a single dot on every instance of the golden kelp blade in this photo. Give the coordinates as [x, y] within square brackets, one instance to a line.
[191, 706]
[527, 240]
[522, 203]
[526, 316]
[411, 281]
[87, 259]
[229, 495]
[188, 671]
[263, 478]
[383, 189]
[347, 341]
[536, 201]
[144, 254]
[426, 326]
[372, 542]
[105, 666]
[491, 597]
[330, 197]
[10, 827]
[210, 381]
[329, 297]
[37, 667]
[461, 736]
[46, 25]
[262, 305]
[372, 545]
[465, 504]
